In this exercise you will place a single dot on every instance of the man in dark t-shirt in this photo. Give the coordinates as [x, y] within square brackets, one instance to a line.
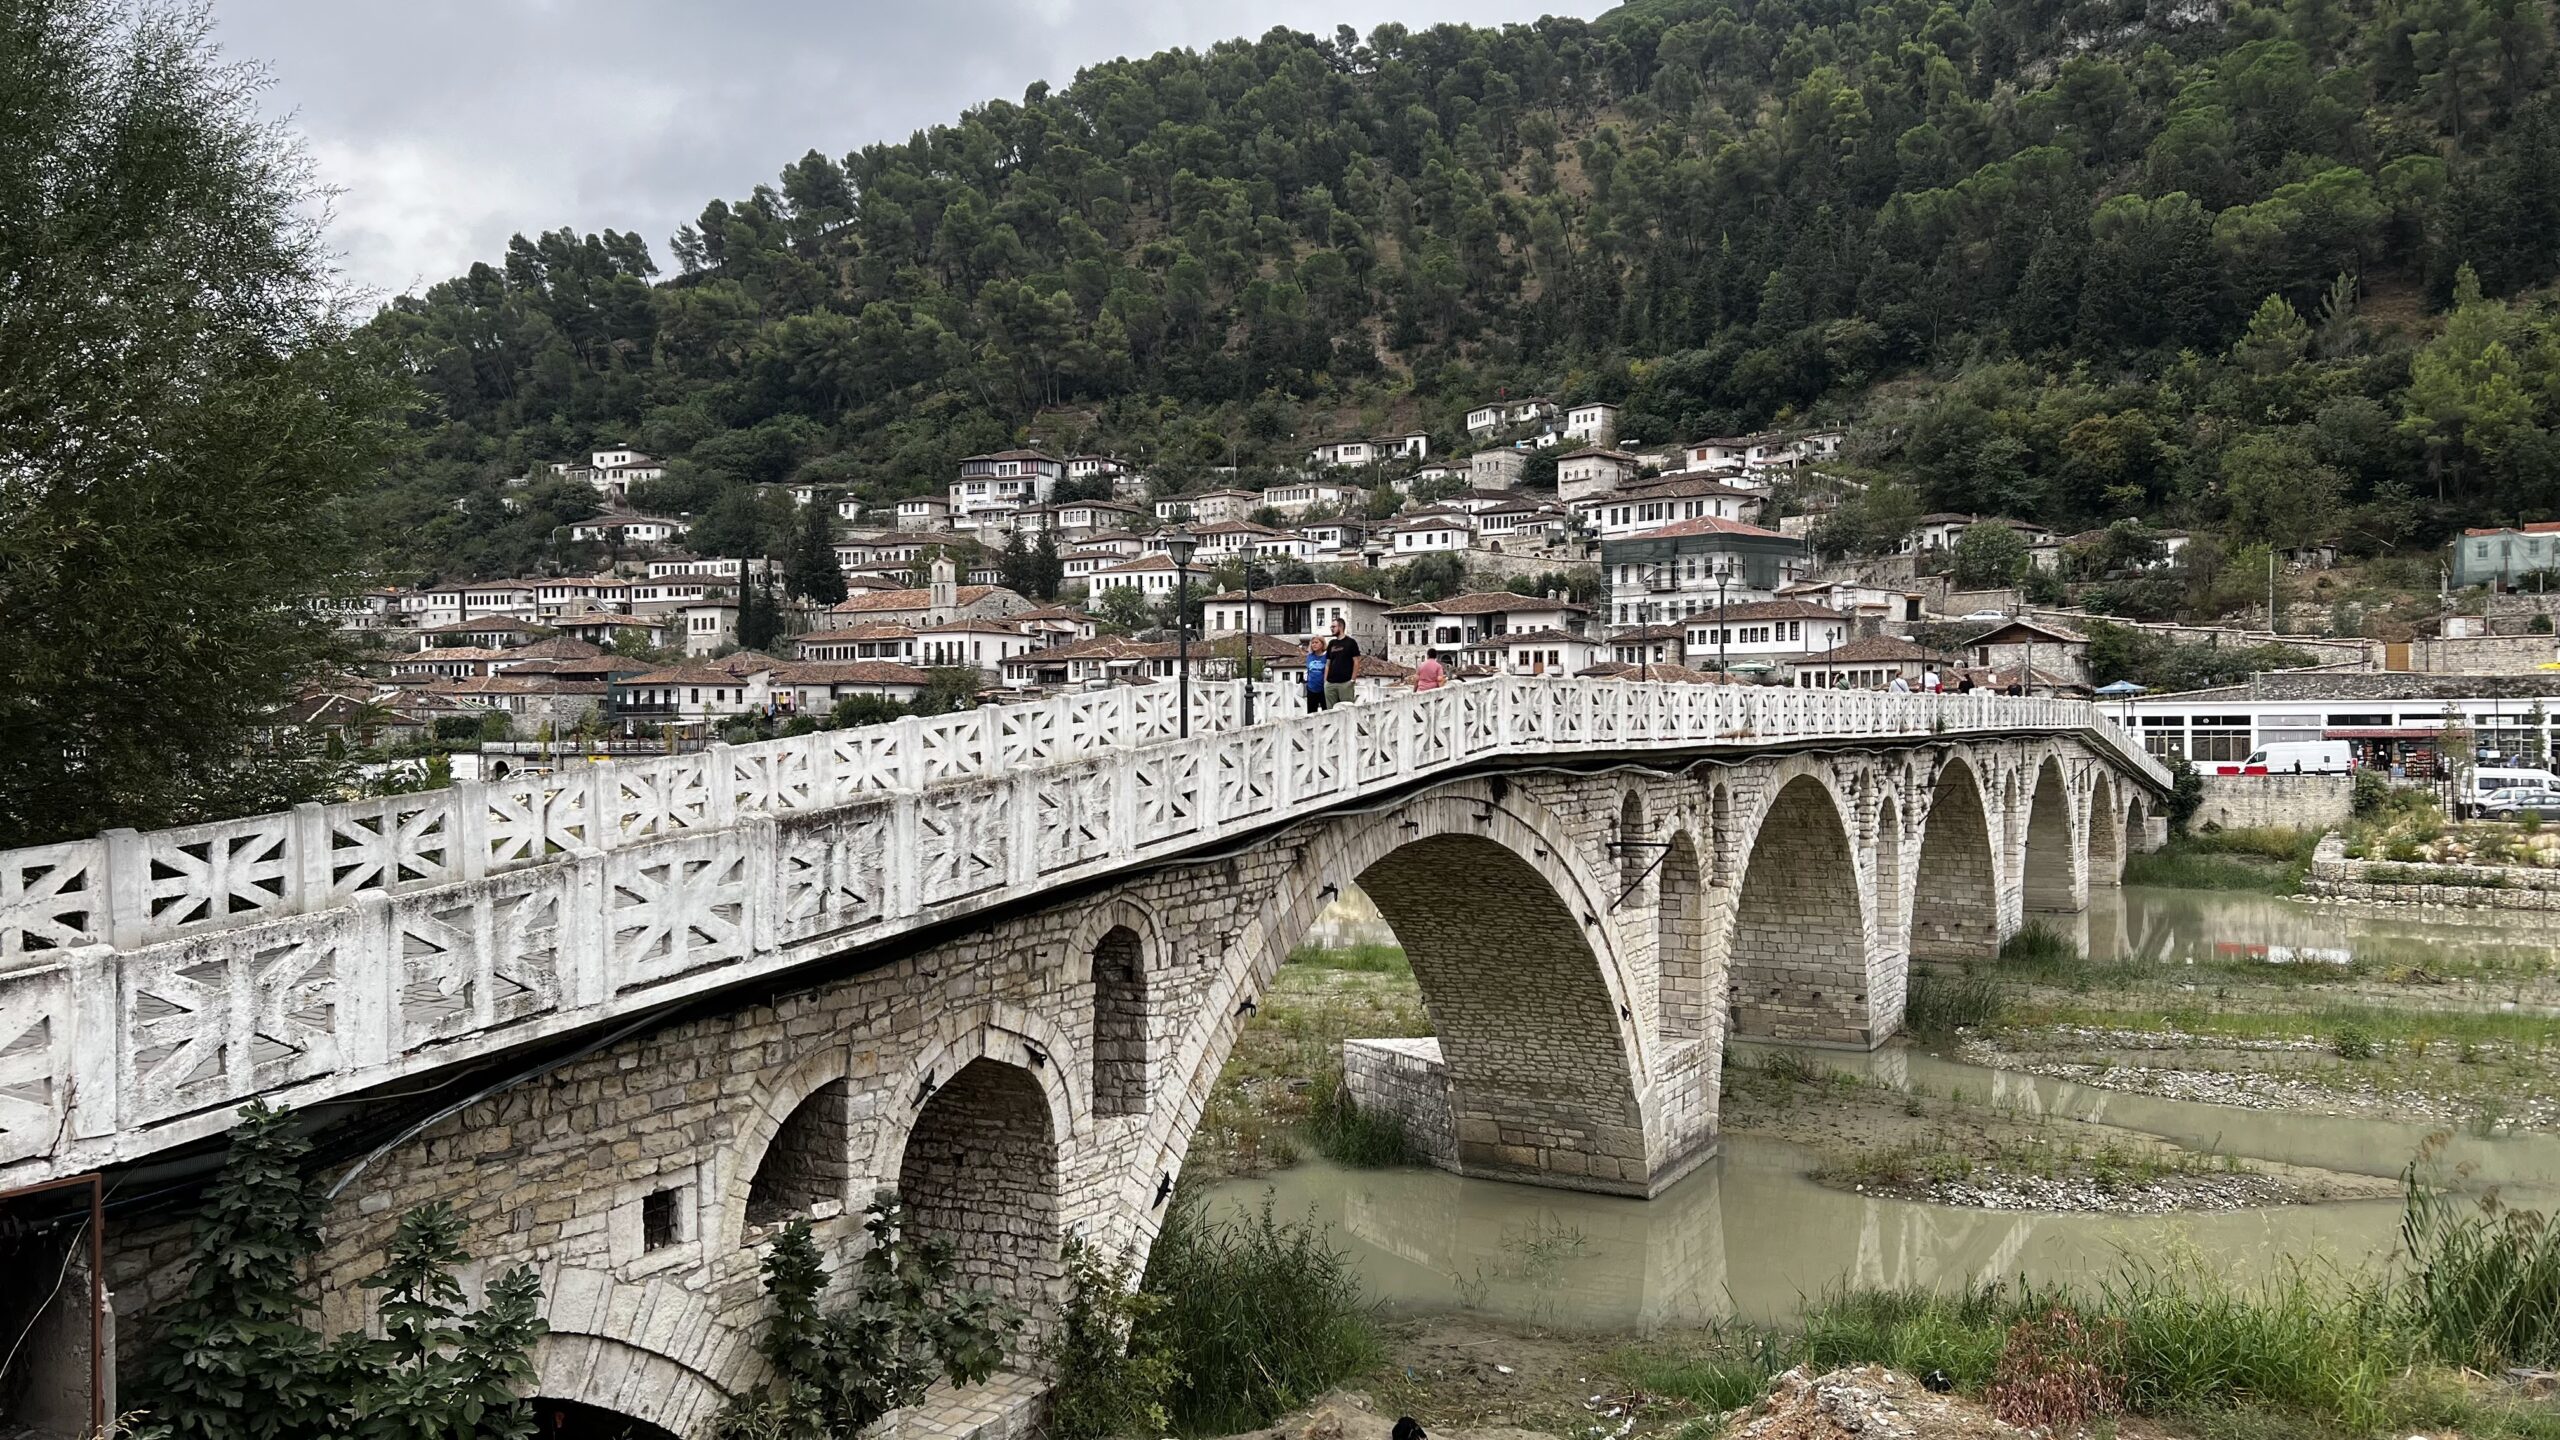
[1341, 667]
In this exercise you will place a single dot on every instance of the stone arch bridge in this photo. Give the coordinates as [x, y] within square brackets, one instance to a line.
[631, 1018]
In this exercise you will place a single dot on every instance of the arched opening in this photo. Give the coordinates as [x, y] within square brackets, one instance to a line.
[1680, 945]
[2047, 872]
[980, 1172]
[1532, 1043]
[2136, 822]
[2106, 837]
[809, 1159]
[1634, 856]
[1120, 1066]
[1720, 836]
[1889, 906]
[1799, 952]
[1955, 894]
[555, 1419]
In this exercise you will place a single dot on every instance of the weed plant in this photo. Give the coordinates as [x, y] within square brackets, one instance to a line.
[1259, 1316]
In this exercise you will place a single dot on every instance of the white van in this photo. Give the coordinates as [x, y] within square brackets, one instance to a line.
[2299, 757]
[2487, 778]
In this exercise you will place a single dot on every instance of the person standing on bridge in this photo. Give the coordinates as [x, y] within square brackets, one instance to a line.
[1341, 666]
[1430, 674]
[1315, 674]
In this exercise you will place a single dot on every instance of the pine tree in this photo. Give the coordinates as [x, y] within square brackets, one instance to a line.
[812, 573]
[759, 614]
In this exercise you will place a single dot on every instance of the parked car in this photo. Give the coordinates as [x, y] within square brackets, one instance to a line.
[1983, 615]
[2488, 780]
[2502, 804]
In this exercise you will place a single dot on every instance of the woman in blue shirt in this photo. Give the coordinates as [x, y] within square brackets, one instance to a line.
[1315, 676]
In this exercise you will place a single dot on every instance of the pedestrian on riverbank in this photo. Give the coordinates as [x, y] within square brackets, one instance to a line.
[1341, 666]
[1315, 675]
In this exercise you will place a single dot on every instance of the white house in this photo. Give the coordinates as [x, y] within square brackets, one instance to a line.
[1424, 534]
[1475, 619]
[1297, 497]
[1593, 470]
[1594, 422]
[924, 512]
[1003, 482]
[1764, 630]
[1343, 454]
[1297, 612]
[1557, 653]
[1150, 575]
[1090, 467]
[1496, 469]
[1484, 419]
[1207, 507]
[627, 529]
[1664, 502]
[982, 644]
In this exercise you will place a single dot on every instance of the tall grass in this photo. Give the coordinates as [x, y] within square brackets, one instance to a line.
[1259, 1316]
[1348, 1135]
[2269, 860]
[1941, 1004]
[2041, 952]
[2485, 1287]
[1362, 959]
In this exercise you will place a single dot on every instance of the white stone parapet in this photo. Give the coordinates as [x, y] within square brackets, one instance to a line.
[151, 983]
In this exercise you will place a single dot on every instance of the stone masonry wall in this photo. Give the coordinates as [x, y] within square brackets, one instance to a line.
[1405, 1079]
[2293, 802]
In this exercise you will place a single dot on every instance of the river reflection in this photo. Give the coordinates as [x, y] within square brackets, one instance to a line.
[1748, 1238]
[2180, 926]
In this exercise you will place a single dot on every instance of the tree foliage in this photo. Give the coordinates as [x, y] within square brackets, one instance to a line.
[2117, 249]
[235, 1360]
[181, 409]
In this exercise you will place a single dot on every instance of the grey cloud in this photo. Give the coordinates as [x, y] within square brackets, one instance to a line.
[450, 124]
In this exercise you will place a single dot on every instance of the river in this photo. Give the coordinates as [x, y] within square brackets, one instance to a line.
[1749, 1237]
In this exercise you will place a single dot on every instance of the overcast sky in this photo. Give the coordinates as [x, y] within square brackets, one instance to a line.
[452, 124]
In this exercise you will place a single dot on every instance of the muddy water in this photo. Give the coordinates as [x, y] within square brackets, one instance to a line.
[1748, 1237]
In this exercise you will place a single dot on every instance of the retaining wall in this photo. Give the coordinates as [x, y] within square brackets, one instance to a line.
[2481, 887]
[1406, 1079]
[2292, 802]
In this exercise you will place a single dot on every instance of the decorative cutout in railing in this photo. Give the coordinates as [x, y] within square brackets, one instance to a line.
[148, 982]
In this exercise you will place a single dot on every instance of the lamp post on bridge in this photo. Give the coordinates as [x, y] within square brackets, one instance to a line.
[1178, 545]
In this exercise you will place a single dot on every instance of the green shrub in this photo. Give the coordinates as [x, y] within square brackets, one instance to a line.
[1106, 1384]
[2352, 1042]
[1943, 1004]
[2039, 950]
[1259, 1316]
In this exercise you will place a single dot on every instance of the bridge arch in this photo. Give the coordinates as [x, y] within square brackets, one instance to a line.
[1892, 913]
[2106, 832]
[1546, 1062]
[1799, 940]
[977, 1164]
[799, 1149]
[1120, 950]
[1955, 886]
[2049, 875]
[603, 1373]
[1680, 943]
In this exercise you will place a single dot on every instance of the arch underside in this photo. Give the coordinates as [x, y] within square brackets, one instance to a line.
[1541, 1078]
[1797, 963]
[1955, 892]
[2046, 877]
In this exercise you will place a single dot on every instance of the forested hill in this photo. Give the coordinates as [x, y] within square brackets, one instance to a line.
[2031, 244]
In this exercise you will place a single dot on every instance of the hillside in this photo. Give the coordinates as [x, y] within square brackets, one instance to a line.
[2070, 261]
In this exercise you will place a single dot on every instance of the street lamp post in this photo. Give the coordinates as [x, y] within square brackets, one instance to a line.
[1178, 545]
[1249, 676]
[1722, 629]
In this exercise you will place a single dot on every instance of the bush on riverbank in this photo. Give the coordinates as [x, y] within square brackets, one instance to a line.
[2268, 860]
[1348, 1135]
[1942, 1003]
[1258, 1316]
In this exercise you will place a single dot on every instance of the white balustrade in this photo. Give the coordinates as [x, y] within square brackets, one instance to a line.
[149, 982]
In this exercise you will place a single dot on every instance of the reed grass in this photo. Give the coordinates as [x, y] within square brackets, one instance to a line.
[1259, 1316]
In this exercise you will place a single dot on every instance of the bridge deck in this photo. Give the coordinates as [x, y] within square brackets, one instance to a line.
[150, 983]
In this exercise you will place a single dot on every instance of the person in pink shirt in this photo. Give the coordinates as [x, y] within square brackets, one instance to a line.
[1430, 674]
